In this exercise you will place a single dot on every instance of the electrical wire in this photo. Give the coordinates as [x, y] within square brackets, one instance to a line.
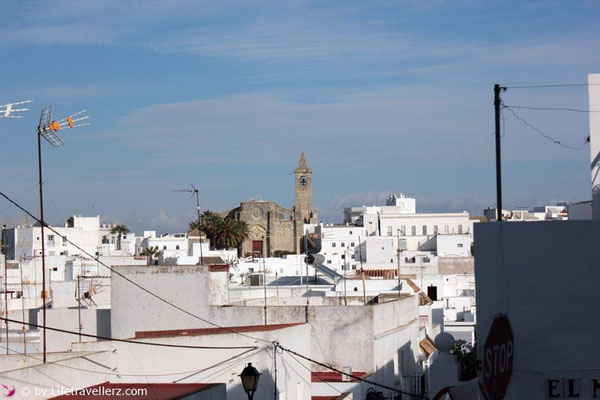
[419, 396]
[180, 346]
[186, 312]
[106, 373]
[552, 86]
[550, 138]
[97, 259]
[308, 369]
[553, 109]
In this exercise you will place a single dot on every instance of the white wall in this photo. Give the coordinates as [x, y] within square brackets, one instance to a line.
[543, 276]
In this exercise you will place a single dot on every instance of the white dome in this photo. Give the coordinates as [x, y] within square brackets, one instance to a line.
[444, 342]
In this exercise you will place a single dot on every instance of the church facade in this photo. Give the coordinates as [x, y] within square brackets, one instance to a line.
[274, 230]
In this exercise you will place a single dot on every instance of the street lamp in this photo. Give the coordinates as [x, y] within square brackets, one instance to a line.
[47, 129]
[250, 376]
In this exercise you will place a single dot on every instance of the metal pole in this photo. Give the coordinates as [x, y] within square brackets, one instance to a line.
[497, 104]
[43, 247]
[23, 309]
[345, 268]
[275, 372]
[306, 262]
[199, 231]
[398, 257]
[79, 304]
[5, 284]
[265, 286]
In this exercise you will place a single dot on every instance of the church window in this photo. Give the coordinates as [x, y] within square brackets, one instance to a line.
[414, 230]
[425, 230]
[332, 244]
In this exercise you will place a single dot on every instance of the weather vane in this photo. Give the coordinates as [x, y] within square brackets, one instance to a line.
[6, 110]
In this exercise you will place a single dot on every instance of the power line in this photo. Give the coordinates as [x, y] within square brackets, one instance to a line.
[552, 86]
[97, 259]
[554, 109]
[352, 376]
[186, 312]
[104, 373]
[550, 138]
[181, 346]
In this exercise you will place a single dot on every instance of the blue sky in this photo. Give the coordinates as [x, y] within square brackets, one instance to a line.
[383, 96]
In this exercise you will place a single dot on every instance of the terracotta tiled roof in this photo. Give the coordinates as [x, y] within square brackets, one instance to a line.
[333, 376]
[427, 346]
[211, 331]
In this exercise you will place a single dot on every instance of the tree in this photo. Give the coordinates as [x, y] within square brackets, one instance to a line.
[223, 233]
[150, 253]
[466, 355]
[119, 230]
[70, 222]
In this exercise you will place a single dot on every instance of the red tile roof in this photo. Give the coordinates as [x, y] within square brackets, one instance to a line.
[108, 391]
[212, 331]
[333, 376]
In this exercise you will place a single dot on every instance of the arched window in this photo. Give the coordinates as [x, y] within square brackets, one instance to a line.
[424, 230]
[413, 230]
[459, 229]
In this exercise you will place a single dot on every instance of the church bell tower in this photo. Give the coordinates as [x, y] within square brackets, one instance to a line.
[303, 183]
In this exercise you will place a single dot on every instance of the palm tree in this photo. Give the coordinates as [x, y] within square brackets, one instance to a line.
[222, 232]
[150, 253]
[119, 230]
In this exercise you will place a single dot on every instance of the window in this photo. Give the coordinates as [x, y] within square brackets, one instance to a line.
[343, 256]
[413, 230]
[164, 247]
[424, 230]
[459, 229]
[351, 232]
[177, 247]
[328, 261]
[435, 229]
[351, 244]
[460, 245]
[389, 230]
[332, 244]
[446, 229]
[104, 239]
[391, 260]
[343, 244]
[403, 230]
[426, 260]
[353, 266]
[64, 240]
[50, 238]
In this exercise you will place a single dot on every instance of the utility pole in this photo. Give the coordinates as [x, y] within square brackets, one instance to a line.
[345, 268]
[497, 105]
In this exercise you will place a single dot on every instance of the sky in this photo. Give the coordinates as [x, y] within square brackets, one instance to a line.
[382, 96]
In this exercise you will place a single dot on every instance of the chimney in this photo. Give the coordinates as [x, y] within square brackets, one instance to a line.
[594, 104]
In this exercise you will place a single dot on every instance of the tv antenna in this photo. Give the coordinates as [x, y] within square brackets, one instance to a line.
[6, 110]
[47, 129]
[194, 192]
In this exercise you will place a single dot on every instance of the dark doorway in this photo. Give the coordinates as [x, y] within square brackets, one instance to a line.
[257, 248]
[432, 292]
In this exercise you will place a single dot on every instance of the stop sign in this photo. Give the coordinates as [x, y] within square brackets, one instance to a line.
[498, 358]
